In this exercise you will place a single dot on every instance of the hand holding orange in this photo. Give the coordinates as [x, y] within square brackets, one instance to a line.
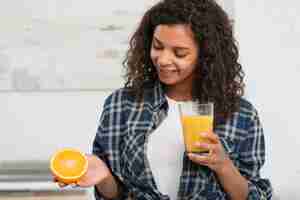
[68, 165]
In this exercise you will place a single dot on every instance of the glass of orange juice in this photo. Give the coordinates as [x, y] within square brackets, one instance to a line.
[196, 118]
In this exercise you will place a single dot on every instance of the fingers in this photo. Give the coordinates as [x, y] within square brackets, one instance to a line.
[200, 159]
[63, 185]
[59, 184]
[210, 142]
[213, 138]
[210, 147]
[82, 184]
[214, 158]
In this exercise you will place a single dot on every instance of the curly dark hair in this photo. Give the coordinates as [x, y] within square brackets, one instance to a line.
[219, 75]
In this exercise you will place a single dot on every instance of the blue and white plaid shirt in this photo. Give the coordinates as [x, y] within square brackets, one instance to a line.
[126, 124]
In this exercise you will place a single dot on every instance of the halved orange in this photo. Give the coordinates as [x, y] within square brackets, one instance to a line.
[68, 165]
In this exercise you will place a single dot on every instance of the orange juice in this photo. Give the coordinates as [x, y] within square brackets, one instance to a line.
[192, 127]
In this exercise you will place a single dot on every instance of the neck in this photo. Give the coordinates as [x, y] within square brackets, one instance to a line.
[179, 93]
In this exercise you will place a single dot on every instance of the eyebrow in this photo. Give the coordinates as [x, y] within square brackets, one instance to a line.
[176, 47]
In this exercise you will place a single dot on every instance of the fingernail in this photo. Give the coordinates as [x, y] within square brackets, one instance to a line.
[190, 155]
[198, 143]
[204, 134]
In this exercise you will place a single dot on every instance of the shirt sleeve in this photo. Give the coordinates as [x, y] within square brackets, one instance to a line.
[107, 140]
[252, 158]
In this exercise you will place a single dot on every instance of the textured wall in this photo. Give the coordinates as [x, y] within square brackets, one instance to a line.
[66, 44]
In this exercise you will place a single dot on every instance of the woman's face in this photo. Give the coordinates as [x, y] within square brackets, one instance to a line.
[174, 53]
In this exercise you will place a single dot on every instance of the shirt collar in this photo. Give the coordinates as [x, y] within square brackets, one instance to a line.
[159, 95]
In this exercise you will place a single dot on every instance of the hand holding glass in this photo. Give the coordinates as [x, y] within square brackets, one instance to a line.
[195, 119]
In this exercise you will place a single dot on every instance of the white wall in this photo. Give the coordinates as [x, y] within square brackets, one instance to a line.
[268, 32]
[34, 125]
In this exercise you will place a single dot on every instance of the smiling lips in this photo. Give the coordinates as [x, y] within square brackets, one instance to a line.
[164, 70]
[167, 73]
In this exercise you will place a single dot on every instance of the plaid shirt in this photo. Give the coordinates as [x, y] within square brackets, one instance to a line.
[122, 135]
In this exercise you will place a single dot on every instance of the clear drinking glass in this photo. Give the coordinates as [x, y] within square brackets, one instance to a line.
[196, 118]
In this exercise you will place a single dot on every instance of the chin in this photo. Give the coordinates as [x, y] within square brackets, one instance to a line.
[167, 82]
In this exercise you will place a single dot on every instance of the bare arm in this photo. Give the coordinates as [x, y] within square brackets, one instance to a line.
[235, 185]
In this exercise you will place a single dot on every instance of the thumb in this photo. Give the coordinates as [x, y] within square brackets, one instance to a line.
[82, 184]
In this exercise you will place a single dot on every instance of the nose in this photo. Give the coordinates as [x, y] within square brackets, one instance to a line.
[164, 58]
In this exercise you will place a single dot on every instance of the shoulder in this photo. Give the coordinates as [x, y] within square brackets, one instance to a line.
[118, 97]
[128, 96]
[243, 123]
[244, 113]
[247, 109]
[125, 100]
[116, 109]
[246, 118]
[242, 119]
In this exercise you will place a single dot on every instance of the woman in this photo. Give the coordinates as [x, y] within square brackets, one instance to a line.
[182, 51]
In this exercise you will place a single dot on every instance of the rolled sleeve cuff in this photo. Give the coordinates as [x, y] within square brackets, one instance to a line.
[255, 193]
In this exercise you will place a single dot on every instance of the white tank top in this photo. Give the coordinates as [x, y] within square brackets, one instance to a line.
[165, 150]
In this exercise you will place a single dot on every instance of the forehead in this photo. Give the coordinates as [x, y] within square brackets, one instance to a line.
[175, 35]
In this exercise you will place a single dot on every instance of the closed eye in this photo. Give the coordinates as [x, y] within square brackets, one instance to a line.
[180, 54]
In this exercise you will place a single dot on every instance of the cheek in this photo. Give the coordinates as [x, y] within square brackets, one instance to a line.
[185, 66]
[190, 64]
[185, 69]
